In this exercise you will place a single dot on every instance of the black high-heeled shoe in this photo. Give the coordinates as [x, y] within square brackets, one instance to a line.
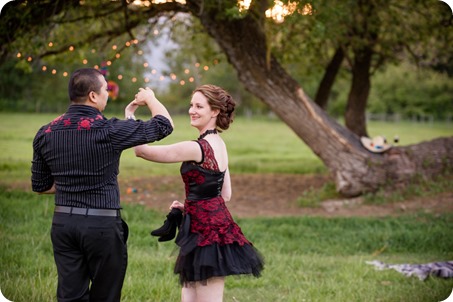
[168, 230]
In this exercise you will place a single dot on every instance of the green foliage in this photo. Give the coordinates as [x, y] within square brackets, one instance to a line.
[303, 44]
[412, 93]
[307, 258]
[187, 60]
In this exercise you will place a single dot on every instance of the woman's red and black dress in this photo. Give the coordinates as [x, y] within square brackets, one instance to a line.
[211, 243]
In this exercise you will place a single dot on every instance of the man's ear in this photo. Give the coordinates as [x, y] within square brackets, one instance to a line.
[92, 97]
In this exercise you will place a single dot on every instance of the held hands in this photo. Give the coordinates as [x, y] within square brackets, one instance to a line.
[144, 95]
[141, 99]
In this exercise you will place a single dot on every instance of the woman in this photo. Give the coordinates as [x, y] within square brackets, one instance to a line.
[212, 245]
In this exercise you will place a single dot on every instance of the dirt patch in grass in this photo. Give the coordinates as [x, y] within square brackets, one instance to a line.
[268, 195]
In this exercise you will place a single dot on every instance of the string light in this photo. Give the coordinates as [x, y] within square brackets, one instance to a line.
[120, 77]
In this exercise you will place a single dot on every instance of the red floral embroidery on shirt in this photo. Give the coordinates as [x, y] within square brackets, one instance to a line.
[67, 122]
[85, 123]
[48, 130]
[57, 119]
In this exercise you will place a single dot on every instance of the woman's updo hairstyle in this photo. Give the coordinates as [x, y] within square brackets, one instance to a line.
[219, 99]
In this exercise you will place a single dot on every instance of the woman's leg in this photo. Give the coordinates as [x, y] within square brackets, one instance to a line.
[188, 293]
[212, 291]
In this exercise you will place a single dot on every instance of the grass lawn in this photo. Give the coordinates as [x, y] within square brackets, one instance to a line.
[307, 258]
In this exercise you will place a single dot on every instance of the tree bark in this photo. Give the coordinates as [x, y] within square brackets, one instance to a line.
[355, 169]
[355, 114]
[327, 81]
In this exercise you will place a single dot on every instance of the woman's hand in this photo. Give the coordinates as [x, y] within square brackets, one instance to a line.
[144, 95]
[176, 204]
[130, 110]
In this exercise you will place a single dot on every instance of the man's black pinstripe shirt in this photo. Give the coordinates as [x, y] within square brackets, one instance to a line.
[80, 152]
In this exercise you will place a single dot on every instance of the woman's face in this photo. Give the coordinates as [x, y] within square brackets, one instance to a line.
[200, 112]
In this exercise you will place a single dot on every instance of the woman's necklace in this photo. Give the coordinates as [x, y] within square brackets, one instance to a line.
[210, 131]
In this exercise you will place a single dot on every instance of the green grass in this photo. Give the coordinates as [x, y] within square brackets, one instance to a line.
[259, 145]
[307, 258]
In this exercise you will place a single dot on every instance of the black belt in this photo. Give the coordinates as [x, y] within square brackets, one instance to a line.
[88, 211]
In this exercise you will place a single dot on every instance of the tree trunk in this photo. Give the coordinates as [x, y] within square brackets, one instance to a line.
[355, 116]
[355, 169]
[325, 87]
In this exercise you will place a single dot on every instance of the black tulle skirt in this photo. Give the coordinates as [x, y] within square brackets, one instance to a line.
[204, 262]
[199, 263]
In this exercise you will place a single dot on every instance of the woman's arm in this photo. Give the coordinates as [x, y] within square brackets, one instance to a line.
[226, 188]
[179, 152]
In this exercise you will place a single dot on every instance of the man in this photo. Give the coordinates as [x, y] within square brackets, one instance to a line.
[76, 157]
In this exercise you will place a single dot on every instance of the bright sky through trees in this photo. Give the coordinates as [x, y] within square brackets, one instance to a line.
[278, 12]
